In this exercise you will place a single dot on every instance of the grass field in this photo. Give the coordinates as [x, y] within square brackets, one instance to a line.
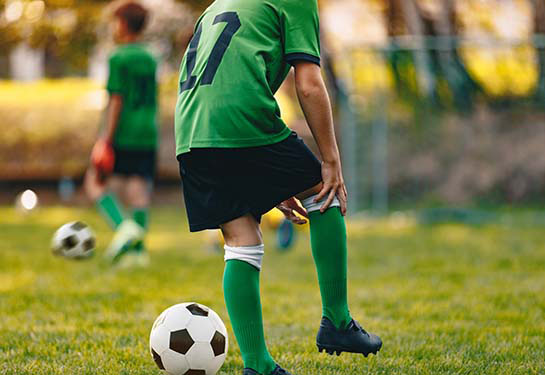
[446, 299]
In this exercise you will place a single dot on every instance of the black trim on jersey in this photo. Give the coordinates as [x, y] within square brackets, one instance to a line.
[291, 58]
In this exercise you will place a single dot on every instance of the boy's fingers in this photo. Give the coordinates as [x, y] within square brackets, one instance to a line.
[290, 215]
[299, 221]
[300, 210]
[327, 203]
[284, 209]
[321, 195]
[343, 200]
[294, 218]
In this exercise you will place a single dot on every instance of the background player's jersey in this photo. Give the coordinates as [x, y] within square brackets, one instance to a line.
[132, 75]
[239, 56]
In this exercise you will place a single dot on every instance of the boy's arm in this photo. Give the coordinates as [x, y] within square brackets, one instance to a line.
[114, 111]
[102, 155]
[314, 100]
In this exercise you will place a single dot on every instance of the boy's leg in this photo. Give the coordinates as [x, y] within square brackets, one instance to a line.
[111, 210]
[141, 217]
[338, 331]
[139, 196]
[106, 202]
[328, 243]
[244, 252]
[128, 233]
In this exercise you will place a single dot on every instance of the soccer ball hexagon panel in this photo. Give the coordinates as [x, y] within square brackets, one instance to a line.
[189, 339]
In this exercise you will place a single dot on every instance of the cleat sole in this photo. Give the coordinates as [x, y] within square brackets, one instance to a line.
[338, 352]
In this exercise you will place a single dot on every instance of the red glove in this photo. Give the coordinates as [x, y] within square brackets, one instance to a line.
[103, 157]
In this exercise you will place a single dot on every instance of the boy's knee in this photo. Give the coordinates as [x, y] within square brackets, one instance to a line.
[141, 202]
[243, 231]
[138, 193]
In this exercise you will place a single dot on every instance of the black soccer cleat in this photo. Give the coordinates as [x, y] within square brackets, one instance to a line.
[353, 339]
[277, 371]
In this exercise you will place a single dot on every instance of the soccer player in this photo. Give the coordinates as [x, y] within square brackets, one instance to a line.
[238, 160]
[123, 159]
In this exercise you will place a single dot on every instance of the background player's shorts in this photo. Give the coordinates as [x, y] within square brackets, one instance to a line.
[135, 163]
[223, 184]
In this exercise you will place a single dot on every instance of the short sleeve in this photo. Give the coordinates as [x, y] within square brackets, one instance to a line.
[300, 24]
[115, 78]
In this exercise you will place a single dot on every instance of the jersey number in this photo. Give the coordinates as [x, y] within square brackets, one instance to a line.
[142, 93]
[233, 24]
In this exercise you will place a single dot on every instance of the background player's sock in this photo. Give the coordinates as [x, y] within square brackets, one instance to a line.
[241, 290]
[110, 209]
[141, 217]
[328, 242]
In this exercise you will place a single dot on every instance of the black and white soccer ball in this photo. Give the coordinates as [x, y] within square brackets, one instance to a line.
[189, 339]
[74, 240]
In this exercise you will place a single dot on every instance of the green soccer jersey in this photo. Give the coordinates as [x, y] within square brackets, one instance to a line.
[132, 75]
[240, 54]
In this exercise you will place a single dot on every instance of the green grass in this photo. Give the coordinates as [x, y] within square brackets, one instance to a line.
[446, 299]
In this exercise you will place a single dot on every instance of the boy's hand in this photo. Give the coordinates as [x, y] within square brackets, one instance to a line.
[288, 207]
[332, 177]
[102, 157]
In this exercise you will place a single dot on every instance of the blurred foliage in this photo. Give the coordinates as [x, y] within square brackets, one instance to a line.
[66, 34]
[68, 30]
[503, 72]
[63, 117]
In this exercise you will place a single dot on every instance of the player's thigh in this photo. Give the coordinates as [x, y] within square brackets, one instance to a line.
[243, 231]
[271, 174]
[138, 191]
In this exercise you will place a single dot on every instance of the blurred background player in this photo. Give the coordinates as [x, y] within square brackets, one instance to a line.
[124, 157]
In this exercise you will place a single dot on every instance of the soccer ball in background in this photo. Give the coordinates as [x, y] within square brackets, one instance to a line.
[74, 240]
[189, 339]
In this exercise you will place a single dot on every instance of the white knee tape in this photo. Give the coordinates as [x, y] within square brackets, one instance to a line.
[252, 255]
[312, 206]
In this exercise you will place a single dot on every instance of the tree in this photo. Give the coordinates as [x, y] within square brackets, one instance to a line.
[539, 29]
[449, 65]
[433, 63]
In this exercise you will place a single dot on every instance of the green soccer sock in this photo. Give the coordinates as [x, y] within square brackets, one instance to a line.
[242, 297]
[328, 242]
[110, 209]
[141, 217]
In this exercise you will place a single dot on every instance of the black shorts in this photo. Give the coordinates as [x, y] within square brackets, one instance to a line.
[135, 163]
[223, 184]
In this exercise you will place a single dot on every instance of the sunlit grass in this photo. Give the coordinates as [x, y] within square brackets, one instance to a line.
[446, 299]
